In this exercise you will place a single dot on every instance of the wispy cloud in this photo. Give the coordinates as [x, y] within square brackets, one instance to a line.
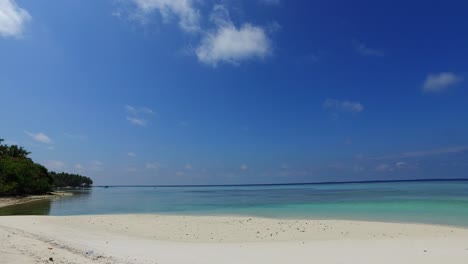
[39, 137]
[244, 167]
[343, 106]
[131, 154]
[273, 27]
[424, 153]
[138, 110]
[364, 50]
[135, 115]
[183, 10]
[441, 81]
[136, 121]
[153, 165]
[12, 19]
[395, 166]
[400, 164]
[231, 44]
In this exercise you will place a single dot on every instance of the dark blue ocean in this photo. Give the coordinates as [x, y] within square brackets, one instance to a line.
[434, 202]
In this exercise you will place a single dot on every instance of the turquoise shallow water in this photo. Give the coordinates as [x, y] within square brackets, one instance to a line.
[436, 202]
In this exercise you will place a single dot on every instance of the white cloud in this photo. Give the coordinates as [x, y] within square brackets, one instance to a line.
[273, 27]
[136, 121]
[153, 166]
[231, 44]
[346, 106]
[138, 110]
[54, 165]
[131, 154]
[400, 164]
[78, 166]
[362, 49]
[12, 19]
[132, 110]
[117, 14]
[146, 110]
[441, 81]
[135, 114]
[188, 167]
[244, 167]
[184, 10]
[39, 137]
[225, 43]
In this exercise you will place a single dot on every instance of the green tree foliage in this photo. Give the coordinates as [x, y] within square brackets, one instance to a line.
[3, 148]
[70, 180]
[12, 151]
[19, 175]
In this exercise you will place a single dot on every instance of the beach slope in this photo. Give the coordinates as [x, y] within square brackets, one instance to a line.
[217, 240]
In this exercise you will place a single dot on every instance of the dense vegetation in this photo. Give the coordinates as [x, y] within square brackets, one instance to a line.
[23, 176]
[70, 180]
[19, 175]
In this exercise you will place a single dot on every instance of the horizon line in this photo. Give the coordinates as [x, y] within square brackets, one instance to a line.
[296, 183]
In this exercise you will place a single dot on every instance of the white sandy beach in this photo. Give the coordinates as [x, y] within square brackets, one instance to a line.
[216, 240]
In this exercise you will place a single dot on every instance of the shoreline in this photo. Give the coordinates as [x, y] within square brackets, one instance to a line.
[294, 218]
[15, 200]
[61, 194]
[161, 239]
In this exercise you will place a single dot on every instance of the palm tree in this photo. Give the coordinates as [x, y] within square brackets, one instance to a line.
[17, 152]
[13, 151]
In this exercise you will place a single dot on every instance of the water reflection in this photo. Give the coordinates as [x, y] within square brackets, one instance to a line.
[47, 206]
[41, 207]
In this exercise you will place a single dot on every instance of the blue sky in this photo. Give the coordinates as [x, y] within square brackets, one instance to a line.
[226, 92]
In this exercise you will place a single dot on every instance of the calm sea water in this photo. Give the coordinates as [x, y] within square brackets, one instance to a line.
[435, 202]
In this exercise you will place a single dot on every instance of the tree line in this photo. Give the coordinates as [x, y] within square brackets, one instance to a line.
[70, 180]
[20, 175]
